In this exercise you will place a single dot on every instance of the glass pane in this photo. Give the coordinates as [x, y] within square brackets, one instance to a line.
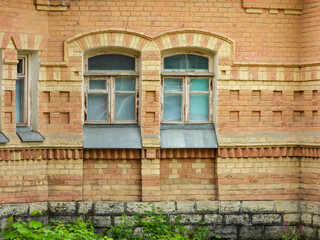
[199, 84]
[97, 107]
[197, 63]
[172, 107]
[186, 62]
[125, 84]
[173, 84]
[97, 84]
[125, 107]
[199, 107]
[111, 62]
[20, 66]
[19, 101]
[175, 63]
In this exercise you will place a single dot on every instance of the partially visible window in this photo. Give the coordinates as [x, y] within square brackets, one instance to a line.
[21, 100]
[187, 89]
[111, 95]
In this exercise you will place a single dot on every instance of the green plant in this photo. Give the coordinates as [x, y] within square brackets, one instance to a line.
[55, 230]
[287, 234]
[154, 224]
[151, 224]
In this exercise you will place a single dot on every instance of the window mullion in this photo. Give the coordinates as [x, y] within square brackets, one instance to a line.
[111, 96]
[186, 99]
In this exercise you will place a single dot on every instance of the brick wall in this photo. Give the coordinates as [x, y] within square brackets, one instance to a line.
[267, 101]
[188, 179]
[309, 27]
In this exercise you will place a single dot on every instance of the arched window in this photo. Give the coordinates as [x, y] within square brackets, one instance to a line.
[111, 82]
[187, 88]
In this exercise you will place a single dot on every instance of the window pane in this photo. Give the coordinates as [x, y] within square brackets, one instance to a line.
[186, 62]
[125, 84]
[199, 84]
[198, 63]
[97, 84]
[97, 107]
[175, 63]
[111, 62]
[172, 107]
[199, 107]
[19, 101]
[20, 66]
[173, 84]
[125, 107]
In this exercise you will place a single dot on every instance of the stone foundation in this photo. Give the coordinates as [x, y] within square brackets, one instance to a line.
[229, 219]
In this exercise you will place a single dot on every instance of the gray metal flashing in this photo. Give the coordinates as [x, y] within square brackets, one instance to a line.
[188, 136]
[30, 136]
[3, 138]
[125, 136]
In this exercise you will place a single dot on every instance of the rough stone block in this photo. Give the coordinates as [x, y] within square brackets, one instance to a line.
[272, 232]
[207, 206]
[251, 232]
[213, 218]
[188, 218]
[126, 220]
[138, 207]
[85, 208]
[242, 219]
[108, 208]
[38, 206]
[316, 220]
[258, 206]
[3, 223]
[266, 218]
[7, 210]
[229, 206]
[309, 232]
[101, 221]
[185, 207]
[166, 207]
[306, 219]
[62, 208]
[292, 218]
[287, 206]
[303, 206]
[313, 208]
[226, 231]
[65, 218]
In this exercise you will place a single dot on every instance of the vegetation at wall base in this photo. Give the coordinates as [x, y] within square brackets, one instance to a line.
[290, 234]
[151, 224]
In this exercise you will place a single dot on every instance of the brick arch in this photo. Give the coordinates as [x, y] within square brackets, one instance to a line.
[76, 45]
[199, 39]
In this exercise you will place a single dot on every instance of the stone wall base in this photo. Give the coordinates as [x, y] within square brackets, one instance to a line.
[229, 219]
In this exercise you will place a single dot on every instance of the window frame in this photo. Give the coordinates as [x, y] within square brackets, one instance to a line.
[25, 57]
[110, 77]
[186, 77]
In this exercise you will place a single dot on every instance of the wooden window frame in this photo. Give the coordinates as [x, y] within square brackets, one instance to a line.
[25, 74]
[186, 76]
[110, 77]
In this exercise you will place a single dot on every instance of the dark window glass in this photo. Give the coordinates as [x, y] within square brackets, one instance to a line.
[186, 62]
[20, 66]
[111, 62]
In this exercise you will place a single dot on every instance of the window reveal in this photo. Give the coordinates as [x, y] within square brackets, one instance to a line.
[111, 89]
[187, 89]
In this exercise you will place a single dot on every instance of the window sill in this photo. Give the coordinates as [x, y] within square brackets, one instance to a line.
[188, 136]
[3, 138]
[27, 135]
[118, 136]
